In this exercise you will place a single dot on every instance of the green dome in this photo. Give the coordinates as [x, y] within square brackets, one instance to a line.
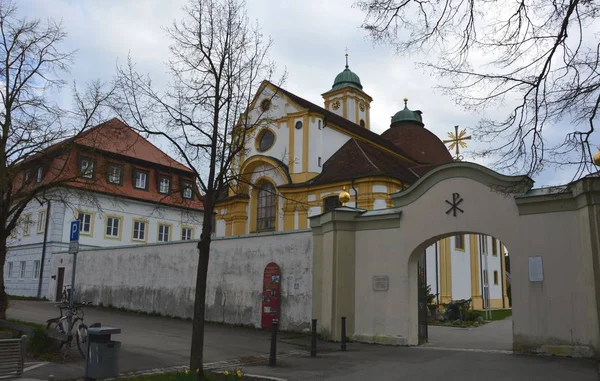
[347, 78]
[407, 115]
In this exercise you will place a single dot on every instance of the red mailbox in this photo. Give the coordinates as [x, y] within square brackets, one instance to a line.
[271, 295]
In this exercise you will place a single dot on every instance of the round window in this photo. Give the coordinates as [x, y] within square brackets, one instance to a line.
[265, 140]
[298, 125]
[265, 105]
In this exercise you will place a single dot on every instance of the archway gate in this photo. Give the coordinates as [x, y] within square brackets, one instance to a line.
[365, 262]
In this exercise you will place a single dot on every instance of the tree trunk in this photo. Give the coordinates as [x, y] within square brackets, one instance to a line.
[3, 296]
[197, 350]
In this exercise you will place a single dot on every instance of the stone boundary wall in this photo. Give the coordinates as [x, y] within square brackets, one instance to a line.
[161, 278]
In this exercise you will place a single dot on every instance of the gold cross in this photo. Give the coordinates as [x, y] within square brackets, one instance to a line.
[457, 140]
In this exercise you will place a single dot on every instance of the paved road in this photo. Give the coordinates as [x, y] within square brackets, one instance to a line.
[375, 363]
[496, 335]
[151, 342]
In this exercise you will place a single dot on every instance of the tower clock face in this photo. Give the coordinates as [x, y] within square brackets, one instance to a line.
[361, 106]
[336, 105]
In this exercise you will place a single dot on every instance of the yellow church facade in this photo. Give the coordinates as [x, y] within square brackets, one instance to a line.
[300, 156]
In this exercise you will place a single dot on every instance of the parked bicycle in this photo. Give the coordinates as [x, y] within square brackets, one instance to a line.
[66, 292]
[71, 324]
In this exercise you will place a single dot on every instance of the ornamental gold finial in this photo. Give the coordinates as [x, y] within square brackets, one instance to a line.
[597, 157]
[456, 141]
[344, 196]
[405, 102]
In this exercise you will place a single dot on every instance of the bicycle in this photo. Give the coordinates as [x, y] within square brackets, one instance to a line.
[68, 323]
[65, 294]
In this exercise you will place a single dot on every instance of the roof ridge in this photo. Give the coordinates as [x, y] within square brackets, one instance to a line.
[110, 123]
[153, 145]
[365, 155]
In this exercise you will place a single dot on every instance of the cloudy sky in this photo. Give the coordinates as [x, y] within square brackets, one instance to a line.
[310, 38]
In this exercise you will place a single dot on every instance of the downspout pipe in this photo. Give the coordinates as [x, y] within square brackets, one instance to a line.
[355, 195]
[437, 276]
[46, 228]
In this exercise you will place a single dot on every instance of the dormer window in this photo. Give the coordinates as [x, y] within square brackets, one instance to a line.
[86, 167]
[26, 177]
[164, 185]
[187, 190]
[39, 176]
[115, 174]
[140, 179]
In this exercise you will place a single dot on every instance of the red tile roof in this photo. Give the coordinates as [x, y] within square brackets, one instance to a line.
[358, 159]
[116, 143]
[419, 143]
[114, 136]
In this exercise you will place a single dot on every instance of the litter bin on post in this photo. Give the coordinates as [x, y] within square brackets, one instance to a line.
[102, 360]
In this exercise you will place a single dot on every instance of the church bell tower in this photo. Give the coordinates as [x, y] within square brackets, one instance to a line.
[347, 99]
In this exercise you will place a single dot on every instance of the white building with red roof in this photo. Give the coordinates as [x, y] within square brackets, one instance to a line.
[123, 189]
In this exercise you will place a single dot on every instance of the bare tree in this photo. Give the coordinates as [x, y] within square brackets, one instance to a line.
[218, 60]
[540, 57]
[30, 122]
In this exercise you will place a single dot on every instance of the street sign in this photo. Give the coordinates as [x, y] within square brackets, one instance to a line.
[74, 235]
[73, 247]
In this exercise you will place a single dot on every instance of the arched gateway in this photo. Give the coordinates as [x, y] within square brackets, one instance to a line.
[365, 262]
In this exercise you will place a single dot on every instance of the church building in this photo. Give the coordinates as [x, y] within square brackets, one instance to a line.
[300, 157]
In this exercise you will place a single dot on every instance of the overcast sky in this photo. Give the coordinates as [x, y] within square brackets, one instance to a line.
[310, 38]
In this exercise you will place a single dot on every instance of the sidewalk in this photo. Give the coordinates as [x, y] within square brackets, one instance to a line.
[152, 342]
[365, 362]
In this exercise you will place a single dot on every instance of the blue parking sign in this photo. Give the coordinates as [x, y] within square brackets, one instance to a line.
[74, 234]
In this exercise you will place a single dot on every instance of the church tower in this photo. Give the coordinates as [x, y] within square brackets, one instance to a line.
[347, 99]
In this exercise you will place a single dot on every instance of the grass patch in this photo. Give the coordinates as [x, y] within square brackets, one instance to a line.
[27, 323]
[496, 314]
[39, 345]
[17, 297]
[462, 324]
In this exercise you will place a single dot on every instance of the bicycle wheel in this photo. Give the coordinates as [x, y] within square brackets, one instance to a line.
[54, 325]
[81, 336]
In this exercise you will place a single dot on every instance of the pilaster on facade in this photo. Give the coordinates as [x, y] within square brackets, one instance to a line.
[445, 272]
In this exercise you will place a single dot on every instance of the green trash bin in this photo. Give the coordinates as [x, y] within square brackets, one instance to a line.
[102, 360]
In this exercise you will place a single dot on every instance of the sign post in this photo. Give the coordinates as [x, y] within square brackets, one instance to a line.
[73, 249]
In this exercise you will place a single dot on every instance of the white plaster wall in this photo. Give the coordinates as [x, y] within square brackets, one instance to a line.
[298, 139]
[380, 189]
[494, 265]
[352, 109]
[161, 277]
[29, 248]
[314, 211]
[460, 267]
[334, 140]
[279, 109]
[559, 310]
[279, 106]
[379, 204]
[128, 210]
[315, 145]
[28, 285]
[432, 271]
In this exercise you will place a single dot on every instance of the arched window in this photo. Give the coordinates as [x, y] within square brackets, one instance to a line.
[362, 123]
[266, 207]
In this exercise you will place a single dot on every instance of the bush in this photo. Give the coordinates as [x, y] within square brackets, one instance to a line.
[470, 315]
[39, 343]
